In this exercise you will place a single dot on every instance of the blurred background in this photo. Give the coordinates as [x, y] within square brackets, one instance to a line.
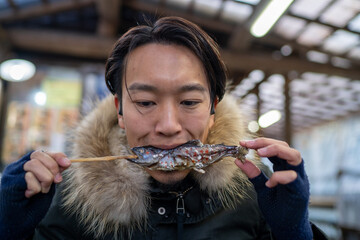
[294, 67]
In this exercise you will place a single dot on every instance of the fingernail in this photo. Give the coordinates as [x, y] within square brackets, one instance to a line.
[66, 161]
[267, 184]
[29, 193]
[238, 162]
[262, 151]
[58, 178]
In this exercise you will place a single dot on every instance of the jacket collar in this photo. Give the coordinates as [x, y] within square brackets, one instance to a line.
[111, 195]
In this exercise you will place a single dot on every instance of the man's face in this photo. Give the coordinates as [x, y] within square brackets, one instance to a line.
[166, 101]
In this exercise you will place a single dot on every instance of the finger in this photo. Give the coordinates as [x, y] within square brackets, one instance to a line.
[33, 185]
[261, 142]
[249, 168]
[55, 162]
[41, 173]
[63, 163]
[61, 159]
[46, 160]
[291, 155]
[281, 177]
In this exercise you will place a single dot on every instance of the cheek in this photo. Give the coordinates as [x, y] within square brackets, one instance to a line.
[136, 128]
[199, 125]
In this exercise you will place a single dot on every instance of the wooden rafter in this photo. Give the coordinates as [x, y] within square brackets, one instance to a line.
[109, 17]
[56, 42]
[95, 47]
[323, 23]
[207, 22]
[43, 9]
[276, 40]
[250, 61]
[12, 4]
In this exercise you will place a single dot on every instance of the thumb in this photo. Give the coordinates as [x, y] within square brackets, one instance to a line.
[281, 177]
[248, 167]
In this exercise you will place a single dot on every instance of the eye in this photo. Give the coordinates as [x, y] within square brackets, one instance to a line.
[190, 103]
[145, 103]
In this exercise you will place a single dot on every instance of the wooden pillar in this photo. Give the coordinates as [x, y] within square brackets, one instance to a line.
[109, 17]
[258, 108]
[3, 116]
[288, 123]
[4, 93]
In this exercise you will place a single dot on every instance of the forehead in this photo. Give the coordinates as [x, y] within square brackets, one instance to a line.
[164, 62]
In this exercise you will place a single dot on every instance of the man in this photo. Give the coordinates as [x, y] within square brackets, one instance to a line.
[168, 83]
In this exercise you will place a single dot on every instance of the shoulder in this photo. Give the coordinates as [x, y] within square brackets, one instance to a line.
[58, 218]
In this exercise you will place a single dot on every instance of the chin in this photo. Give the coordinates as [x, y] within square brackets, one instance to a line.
[168, 177]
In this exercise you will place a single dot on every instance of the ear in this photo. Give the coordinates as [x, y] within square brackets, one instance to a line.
[120, 117]
[216, 101]
[213, 106]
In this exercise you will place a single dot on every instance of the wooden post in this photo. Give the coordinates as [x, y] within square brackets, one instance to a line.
[288, 124]
[3, 117]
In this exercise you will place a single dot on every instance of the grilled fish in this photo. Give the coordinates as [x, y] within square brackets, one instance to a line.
[192, 154]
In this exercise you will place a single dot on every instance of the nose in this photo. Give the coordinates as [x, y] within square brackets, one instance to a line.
[168, 123]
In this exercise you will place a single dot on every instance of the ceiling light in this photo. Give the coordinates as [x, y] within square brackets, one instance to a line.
[257, 75]
[314, 34]
[269, 17]
[341, 62]
[318, 57]
[269, 118]
[253, 126]
[40, 98]
[286, 50]
[236, 12]
[17, 70]
[354, 24]
[341, 42]
[289, 27]
[253, 2]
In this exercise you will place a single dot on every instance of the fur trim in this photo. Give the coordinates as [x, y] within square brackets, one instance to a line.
[224, 178]
[108, 196]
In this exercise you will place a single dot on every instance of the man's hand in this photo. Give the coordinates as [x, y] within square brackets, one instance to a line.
[42, 170]
[26, 191]
[266, 147]
[283, 199]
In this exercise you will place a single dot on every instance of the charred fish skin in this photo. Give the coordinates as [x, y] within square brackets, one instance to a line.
[192, 154]
[147, 156]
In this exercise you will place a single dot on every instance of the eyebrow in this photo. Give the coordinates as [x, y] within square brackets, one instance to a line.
[193, 87]
[142, 87]
[151, 88]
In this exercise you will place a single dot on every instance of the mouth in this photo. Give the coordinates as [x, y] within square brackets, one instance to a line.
[166, 146]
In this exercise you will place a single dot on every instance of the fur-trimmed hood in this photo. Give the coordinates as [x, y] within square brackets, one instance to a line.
[111, 195]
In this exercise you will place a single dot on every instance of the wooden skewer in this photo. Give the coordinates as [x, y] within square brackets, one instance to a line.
[106, 158]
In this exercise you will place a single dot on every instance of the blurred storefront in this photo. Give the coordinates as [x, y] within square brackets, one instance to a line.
[41, 112]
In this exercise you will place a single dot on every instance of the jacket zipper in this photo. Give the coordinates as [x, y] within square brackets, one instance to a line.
[180, 213]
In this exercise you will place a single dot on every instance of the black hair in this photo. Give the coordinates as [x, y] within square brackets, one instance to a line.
[168, 30]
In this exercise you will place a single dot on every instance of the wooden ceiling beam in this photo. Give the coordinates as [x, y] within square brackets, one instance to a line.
[240, 39]
[265, 62]
[76, 45]
[43, 9]
[96, 47]
[208, 22]
[109, 17]
[322, 23]
[12, 4]
[302, 49]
